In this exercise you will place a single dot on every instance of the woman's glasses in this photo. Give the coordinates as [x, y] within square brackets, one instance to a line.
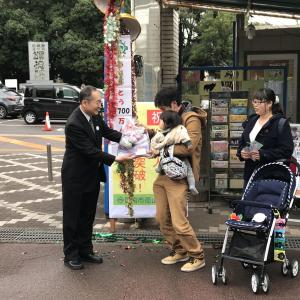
[255, 101]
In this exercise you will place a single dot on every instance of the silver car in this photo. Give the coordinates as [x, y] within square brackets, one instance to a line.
[10, 103]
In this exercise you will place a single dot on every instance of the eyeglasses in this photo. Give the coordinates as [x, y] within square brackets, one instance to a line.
[255, 101]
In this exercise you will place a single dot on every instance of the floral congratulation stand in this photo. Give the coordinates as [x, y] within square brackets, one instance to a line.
[116, 25]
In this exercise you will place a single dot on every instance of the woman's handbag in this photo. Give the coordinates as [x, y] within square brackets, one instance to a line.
[172, 166]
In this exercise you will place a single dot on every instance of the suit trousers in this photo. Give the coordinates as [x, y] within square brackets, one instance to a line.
[171, 214]
[79, 209]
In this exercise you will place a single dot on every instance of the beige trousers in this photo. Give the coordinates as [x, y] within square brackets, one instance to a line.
[171, 210]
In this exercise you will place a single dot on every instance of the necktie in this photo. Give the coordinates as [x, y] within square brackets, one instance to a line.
[92, 124]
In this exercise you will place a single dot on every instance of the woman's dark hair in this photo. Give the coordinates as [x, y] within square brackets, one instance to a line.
[268, 95]
[166, 96]
[171, 119]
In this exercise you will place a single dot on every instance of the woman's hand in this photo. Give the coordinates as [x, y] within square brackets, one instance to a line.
[255, 155]
[245, 154]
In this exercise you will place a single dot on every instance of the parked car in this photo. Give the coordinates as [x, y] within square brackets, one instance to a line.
[10, 103]
[58, 99]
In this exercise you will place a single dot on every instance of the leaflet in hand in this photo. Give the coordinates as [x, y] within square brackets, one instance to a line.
[255, 146]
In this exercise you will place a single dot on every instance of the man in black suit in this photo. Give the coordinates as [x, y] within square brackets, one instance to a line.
[82, 171]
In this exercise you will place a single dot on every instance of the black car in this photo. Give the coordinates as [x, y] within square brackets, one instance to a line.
[58, 99]
[10, 103]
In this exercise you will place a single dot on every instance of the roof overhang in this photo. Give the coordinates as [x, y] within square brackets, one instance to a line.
[272, 8]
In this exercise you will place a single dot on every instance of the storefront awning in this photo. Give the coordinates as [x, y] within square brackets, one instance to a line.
[276, 8]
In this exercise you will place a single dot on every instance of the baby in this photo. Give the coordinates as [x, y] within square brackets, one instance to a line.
[171, 132]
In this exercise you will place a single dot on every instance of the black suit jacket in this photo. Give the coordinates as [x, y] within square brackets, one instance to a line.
[83, 163]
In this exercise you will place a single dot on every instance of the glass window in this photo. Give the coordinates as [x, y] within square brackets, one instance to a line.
[44, 92]
[65, 93]
[28, 92]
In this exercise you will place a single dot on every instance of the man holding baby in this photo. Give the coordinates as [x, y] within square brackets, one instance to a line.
[171, 194]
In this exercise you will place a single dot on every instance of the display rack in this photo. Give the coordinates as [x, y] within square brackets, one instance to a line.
[228, 110]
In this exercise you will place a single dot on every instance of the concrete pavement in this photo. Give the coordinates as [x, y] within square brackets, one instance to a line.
[35, 272]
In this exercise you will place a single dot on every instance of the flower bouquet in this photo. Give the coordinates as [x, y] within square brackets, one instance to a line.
[135, 140]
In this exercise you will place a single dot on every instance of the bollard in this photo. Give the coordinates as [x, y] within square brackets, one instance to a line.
[49, 160]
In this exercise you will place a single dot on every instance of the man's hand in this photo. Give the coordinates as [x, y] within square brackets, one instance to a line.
[141, 125]
[124, 157]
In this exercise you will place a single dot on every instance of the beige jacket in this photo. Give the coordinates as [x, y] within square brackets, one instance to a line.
[193, 121]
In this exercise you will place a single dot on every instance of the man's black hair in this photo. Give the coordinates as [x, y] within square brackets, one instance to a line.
[171, 119]
[86, 93]
[166, 96]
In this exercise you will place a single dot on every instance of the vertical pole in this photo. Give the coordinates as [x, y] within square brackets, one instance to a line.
[234, 43]
[49, 161]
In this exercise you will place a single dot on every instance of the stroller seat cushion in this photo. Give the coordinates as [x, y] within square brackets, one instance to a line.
[267, 191]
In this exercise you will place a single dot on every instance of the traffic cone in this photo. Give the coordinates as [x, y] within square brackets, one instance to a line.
[47, 126]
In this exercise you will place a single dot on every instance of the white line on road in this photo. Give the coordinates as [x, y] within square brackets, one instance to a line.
[45, 157]
[26, 166]
[47, 189]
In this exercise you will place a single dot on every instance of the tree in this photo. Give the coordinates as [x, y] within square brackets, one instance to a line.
[73, 29]
[207, 38]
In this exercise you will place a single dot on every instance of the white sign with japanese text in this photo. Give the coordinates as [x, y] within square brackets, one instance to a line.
[38, 61]
[144, 172]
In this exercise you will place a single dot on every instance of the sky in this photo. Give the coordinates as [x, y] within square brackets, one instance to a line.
[275, 21]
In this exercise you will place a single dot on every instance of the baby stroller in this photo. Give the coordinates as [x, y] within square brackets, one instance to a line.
[258, 225]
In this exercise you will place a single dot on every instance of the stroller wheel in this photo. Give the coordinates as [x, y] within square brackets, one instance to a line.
[214, 274]
[255, 283]
[245, 265]
[294, 268]
[224, 276]
[285, 267]
[266, 283]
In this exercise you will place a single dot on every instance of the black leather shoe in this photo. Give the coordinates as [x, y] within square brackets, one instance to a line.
[93, 258]
[74, 264]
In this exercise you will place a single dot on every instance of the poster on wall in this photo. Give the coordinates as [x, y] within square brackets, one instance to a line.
[296, 138]
[144, 175]
[231, 75]
[209, 86]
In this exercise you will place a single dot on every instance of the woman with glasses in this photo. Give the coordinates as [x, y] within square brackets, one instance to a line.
[267, 134]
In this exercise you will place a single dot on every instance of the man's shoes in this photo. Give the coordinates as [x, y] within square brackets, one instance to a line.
[174, 258]
[193, 264]
[93, 258]
[74, 264]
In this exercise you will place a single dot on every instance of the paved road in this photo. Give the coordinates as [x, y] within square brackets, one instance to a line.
[17, 137]
[35, 272]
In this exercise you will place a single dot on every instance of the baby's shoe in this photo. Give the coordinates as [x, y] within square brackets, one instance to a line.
[193, 190]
